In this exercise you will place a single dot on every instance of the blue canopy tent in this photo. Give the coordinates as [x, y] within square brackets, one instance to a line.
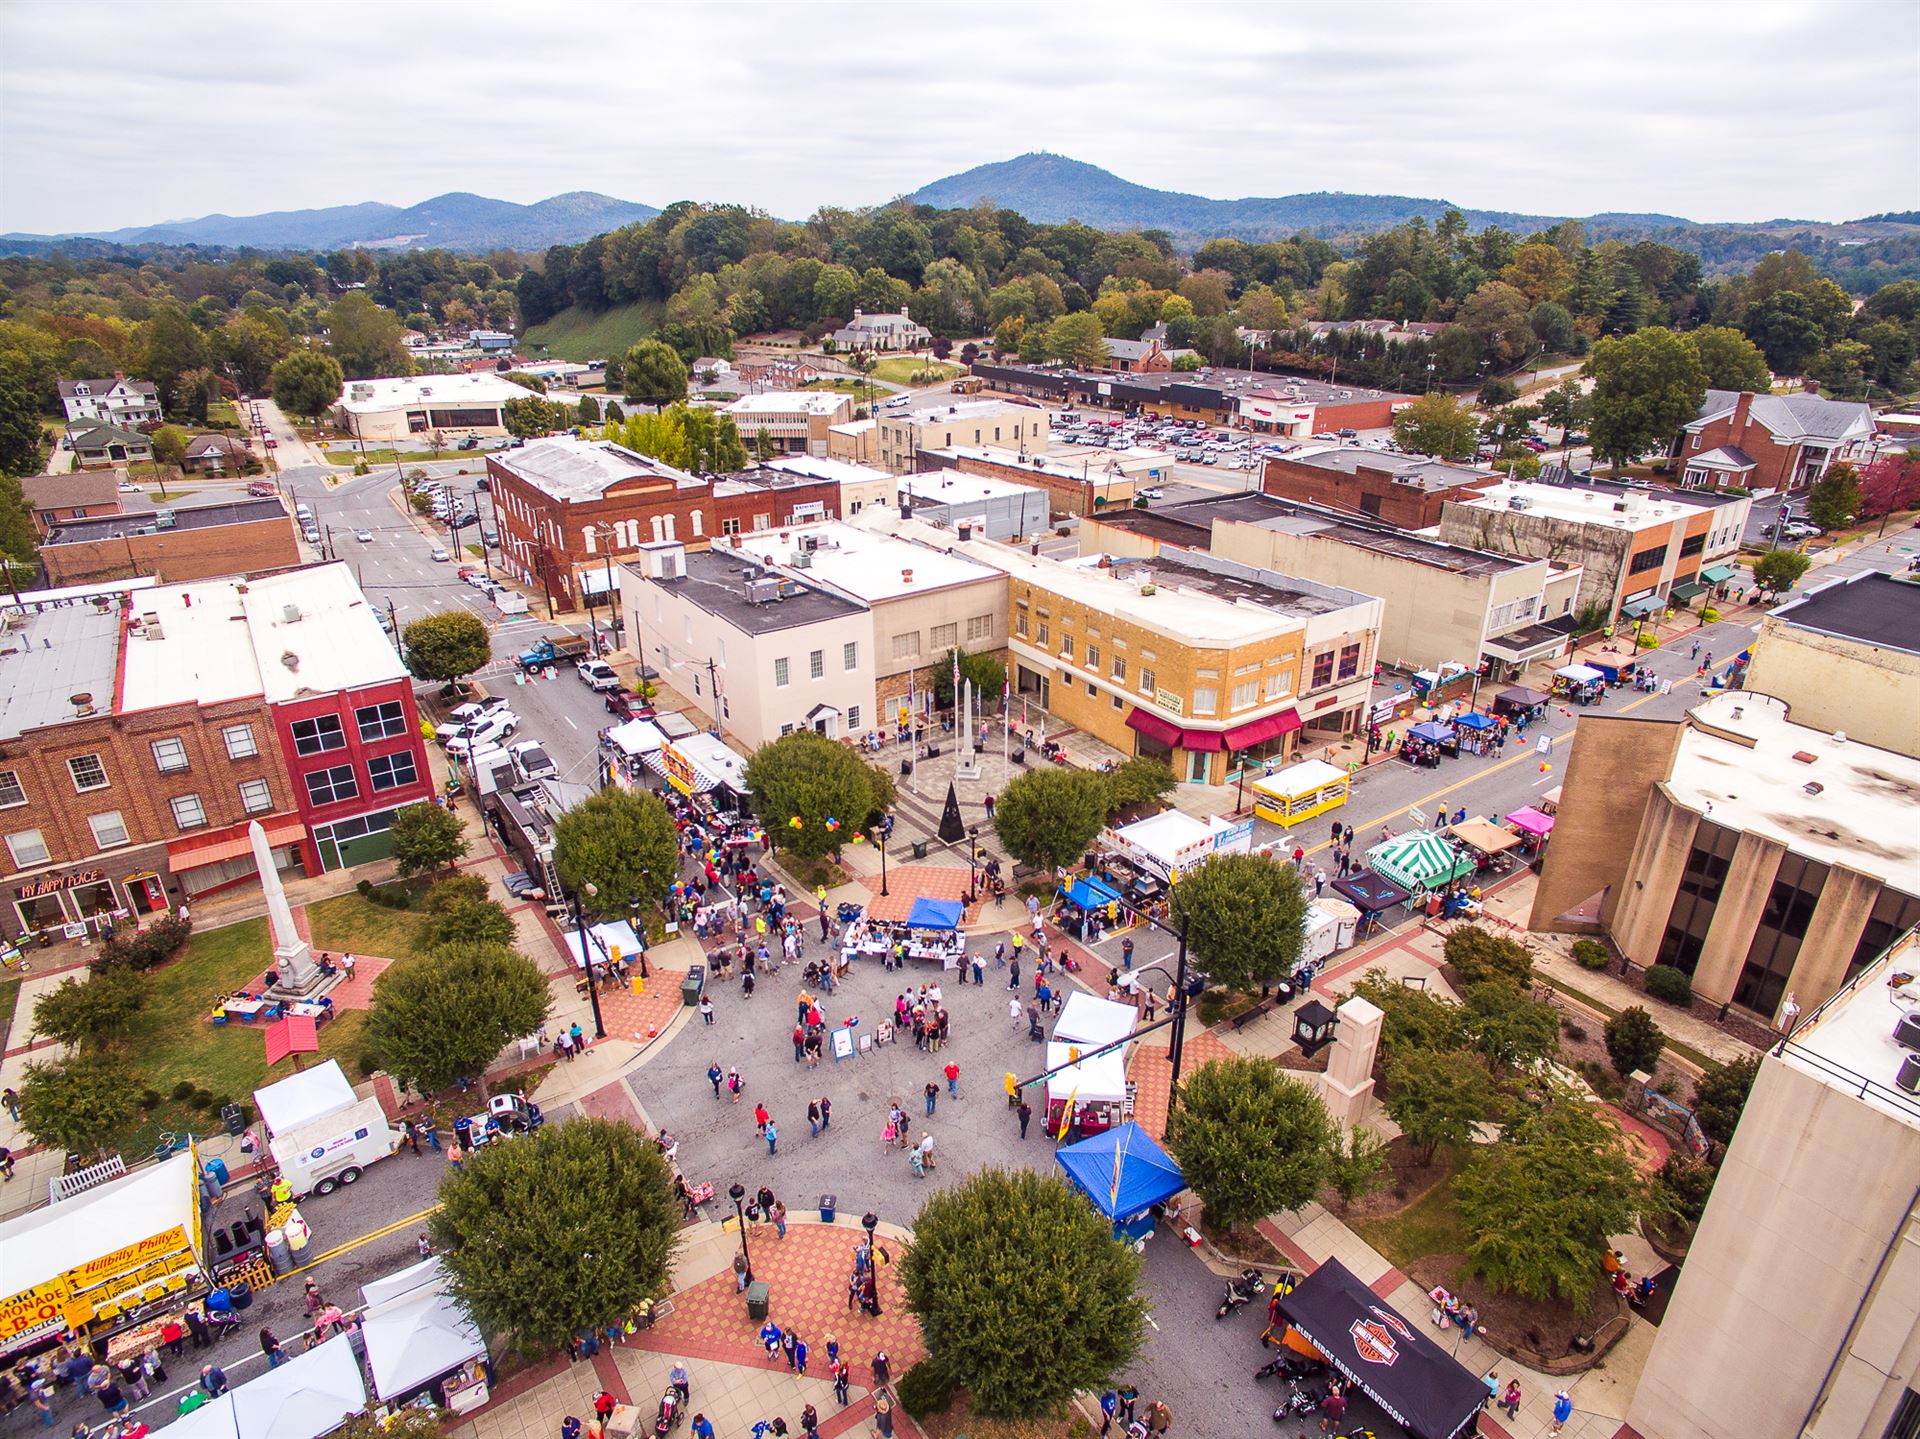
[1473, 719]
[1091, 894]
[935, 914]
[1432, 732]
[1125, 1173]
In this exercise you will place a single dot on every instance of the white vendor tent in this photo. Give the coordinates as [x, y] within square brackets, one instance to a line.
[154, 1203]
[311, 1394]
[418, 1336]
[1172, 842]
[1089, 1021]
[1100, 1080]
[636, 737]
[402, 1282]
[1330, 926]
[602, 940]
[288, 1103]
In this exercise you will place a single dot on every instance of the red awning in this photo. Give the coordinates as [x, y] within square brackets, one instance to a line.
[1272, 726]
[199, 851]
[1153, 727]
[1202, 739]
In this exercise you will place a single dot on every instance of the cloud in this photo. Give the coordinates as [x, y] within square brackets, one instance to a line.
[1774, 109]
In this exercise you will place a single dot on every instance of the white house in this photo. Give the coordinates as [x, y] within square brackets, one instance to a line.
[118, 401]
[882, 332]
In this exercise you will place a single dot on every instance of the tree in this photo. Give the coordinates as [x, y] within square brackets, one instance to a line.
[1439, 425]
[1553, 327]
[550, 1235]
[471, 921]
[1508, 1026]
[1779, 570]
[1540, 1203]
[1138, 781]
[369, 342]
[1077, 340]
[1497, 390]
[1021, 1291]
[1634, 1041]
[1478, 954]
[253, 343]
[445, 647]
[1564, 405]
[621, 842]
[986, 672]
[447, 1013]
[1244, 916]
[1436, 1097]
[98, 1007]
[1357, 1165]
[813, 794]
[1646, 386]
[653, 374]
[529, 416]
[1890, 484]
[426, 837]
[589, 410]
[1731, 361]
[1416, 1019]
[1251, 1140]
[1721, 1095]
[17, 535]
[1498, 316]
[169, 445]
[1540, 272]
[81, 1105]
[307, 383]
[1048, 817]
[1792, 327]
[1835, 499]
[22, 442]
[174, 345]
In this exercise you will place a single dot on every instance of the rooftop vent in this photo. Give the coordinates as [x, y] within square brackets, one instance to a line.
[1802, 756]
[290, 660]
[291, 614]
[906, 577]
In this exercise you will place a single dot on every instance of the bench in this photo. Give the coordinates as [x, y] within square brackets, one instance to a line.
[1252, 1012]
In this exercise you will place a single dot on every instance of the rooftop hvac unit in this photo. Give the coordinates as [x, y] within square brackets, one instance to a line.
[762, 592]
[1907, 1032]
[1909, 1076]
[163, 519]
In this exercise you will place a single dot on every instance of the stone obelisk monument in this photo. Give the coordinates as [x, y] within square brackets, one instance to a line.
[292, 955]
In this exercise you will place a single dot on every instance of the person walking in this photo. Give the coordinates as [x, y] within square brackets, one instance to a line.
[270, 1346]
[813, 1118]
[882, 1370]
[952, 1071]
[772, 1131]
[706, 1010]
[760, 1119]
[1025, 1111]
[826, 1114]
[213, 1379]
[714, 1076]
[933, 1094]
[1510, 1401]
[1562, 1411]
[778, 1214]
[840, 1373]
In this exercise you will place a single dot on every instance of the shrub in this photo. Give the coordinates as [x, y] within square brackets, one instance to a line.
[1683, 1186]
[1670, 985]
[1709, 616]
[1649, 641]
[149, 1099]
[1479, 954]
[364, 887]
[1634, 1041]
[1575, 1032]
[201, 1099]
[925, 1389]
[1590, 954]
[183, 1091]
[144, 948]
[453, 891]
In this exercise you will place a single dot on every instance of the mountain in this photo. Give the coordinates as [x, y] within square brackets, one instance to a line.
[451, 222]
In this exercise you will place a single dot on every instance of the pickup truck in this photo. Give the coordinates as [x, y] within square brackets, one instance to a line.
[534, 761]
[627, 705]
[598, 674]
[554, 650]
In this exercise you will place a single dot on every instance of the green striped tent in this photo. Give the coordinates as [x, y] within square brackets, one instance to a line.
[1418, 860]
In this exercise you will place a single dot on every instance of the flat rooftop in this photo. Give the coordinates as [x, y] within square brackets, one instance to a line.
[1862, 815]
[1228, 381]
[1848, 1041]
[1705, 499]
[819, 467]
[957, 487]
[571, 469]
[1871, 607]
[869, 565]
[1083, 464]
[1583, 504]
[955, 411]
[52, 654]
[789, 402]
[1239, 584]
[717, 582]
[1418, 472]
[361, 397]
[149, 522]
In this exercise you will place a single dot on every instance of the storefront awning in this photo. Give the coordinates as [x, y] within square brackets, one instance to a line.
[1718, 574]
[1646, 605]
[1153, 727]
[1203, 739]
[1259, 731]
[199, 851]
[1689, 590]
[1529, 642]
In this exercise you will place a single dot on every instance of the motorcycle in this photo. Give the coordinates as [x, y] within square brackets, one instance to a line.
[1241, 1291]
[1300, 1403]
[1291, 1367]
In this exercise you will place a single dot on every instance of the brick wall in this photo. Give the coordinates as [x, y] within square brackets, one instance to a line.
[772, 508]
[1774, 463]
[176, 555]
[1366, 491]
[539, 533]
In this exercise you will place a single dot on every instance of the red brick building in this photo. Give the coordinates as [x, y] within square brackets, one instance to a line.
[1767, 442]
[746, 503]
[233, 537]
[566, 508]
[1404, 490]
[79, 495]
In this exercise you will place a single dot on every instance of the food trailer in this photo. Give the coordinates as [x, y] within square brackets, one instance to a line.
[320, 1133]
[1300, 791]
[1171, 843]
[709, 773]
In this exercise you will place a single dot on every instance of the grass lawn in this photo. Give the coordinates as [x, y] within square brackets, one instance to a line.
[1430, 1225]
[346, 454]
[349, 922]
[839, 384]
[586, 335]
[9, 1001]
[900, 368]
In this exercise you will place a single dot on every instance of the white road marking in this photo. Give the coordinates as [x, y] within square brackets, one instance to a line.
[569, 720]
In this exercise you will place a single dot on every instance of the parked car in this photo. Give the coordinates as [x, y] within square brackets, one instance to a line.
[475, 709]
[598, 674]
[262, 489]
[626, 705]
[1153, 494]
[534, 761]
[490, 729]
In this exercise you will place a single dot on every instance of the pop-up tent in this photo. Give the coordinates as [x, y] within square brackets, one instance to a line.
[1417, 860]
[1125, 1174]
[1370, 893]
[1433, 732]
[1473, 719]
[311, 1394]
[420, 1339]
[602, 942]
[935, 914]
[1533, 821]
[1090, 1021]
[288, 1103]
[1423, 1388]
[1092, 894]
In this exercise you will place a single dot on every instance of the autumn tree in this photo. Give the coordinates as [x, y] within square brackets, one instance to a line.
[1439, 425]
[1646, 386]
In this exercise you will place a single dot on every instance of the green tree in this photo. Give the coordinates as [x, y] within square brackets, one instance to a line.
[445, 647]
[807, 777]
[1244, 916]
[1540, 1203]
[1436, 1097]
[1634, 1041]
[1792, 327]
[1438, 425]
[986, 672]
[1835, 501]
[252, 344]
[1553, 327]
[1564, 405]
[81, 1105]
[1478, 954]
[1022, 1293]
[1510, 1029]
[1141, 780]
[169, 445]
[1721, 1095]
[1498, 314]
[1646, 386]
[369, 342]
[763, 446]
[528, 417]
[471, 921]
[1048, 817]
[99, 1007]
[1416, 1019]
[307, 383]
[589, 410]
[548, 1236]
[1357, 1165]
[1731, 361]
[426, 837]
[22, 442]
[1250, 1140]
[1077, 340]
[653, 374]
[446, 1014]
[623, 844]
[17, 535]
[174, 345]
[1779, 570]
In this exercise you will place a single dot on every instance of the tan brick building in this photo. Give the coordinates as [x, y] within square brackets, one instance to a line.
[235, 537]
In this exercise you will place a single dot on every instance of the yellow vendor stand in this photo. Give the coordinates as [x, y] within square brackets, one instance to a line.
[1300, 791]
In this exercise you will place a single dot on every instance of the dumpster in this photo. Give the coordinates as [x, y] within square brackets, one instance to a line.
[691, 986]
[828, 1204]
[759, 1300]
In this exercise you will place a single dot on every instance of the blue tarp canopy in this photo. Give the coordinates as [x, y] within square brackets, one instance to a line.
[1432, 732]
[935, 914]
[1123, 1171]
[1473, 719]
[1091, 894]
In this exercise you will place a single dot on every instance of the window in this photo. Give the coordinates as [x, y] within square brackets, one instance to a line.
[317, 735]
[240, 741]
[1893, 915]
[255, 796]
[1204, 700]
[1776, 940]
[1043, 637]
[11, 792]
[589, 540]
[780, 675]
[189, 813]
[169, 755]
[1066, 647]
[1648, 560]
[1119, 703]
[1119, 669]
[1349, 661]
[1692, 545]
[390, 771]
[1020, 626]
[817, 665]
[1092, 689]
[29, 848]
[853, 717]
[730, 526]
[324, 786]
[786, 729]
[945, 637]
[381, 721]
[1146, 681]
[907, 646]
[1093, 657]
[850, 655]
[979, 627]
[87, 771]
[109, 829]
[1697, 896]
[699, 523]
[1323, 669]
[1244, 695]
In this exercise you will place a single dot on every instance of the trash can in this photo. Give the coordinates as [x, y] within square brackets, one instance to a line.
[759, 1300]
[242, 1294]
[828, 1203]
[217, 1171]
[691, 986]
[279, 1256]
[919, 849]
[233, 1118]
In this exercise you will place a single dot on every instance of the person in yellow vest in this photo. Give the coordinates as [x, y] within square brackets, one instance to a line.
[282, 1192]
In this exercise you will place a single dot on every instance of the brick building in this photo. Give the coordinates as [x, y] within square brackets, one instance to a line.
[793, 422]
[1215, 396]
[1016, 425]
[1404, 490]
[79, 495]
[566, 508]
[766, 501]
[1767, 442]
[234, 537]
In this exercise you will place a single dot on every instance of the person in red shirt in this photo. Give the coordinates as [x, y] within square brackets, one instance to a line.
[760, 1118]
[952, 1071]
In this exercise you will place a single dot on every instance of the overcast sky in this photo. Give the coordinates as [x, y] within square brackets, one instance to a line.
[118, 114]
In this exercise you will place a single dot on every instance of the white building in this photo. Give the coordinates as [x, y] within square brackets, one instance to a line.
[796, 421]
[861, 486]
[997, 509]
[444, 406]
[882, 332]
[118, 401]
[1018, 425]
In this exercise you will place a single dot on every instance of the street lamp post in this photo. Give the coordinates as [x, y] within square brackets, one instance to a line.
[586, 958]
[633, 909]
[886, 833]
[973, 856]
[737, 1192]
